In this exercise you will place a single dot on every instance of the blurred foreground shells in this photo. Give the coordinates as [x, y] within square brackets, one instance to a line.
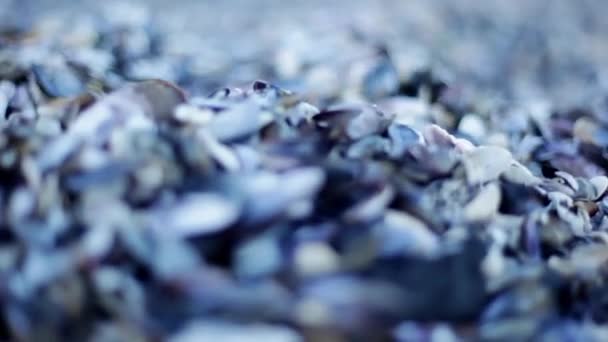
[151, 189]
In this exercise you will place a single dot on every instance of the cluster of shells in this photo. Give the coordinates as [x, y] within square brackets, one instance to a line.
[390, 206]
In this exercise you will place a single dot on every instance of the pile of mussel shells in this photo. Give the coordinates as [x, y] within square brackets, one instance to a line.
[361, 200]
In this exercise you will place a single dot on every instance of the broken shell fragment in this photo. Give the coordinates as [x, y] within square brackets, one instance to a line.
[485, 205]
[486, 163]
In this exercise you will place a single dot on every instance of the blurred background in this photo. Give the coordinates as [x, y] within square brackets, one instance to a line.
[520, 49]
